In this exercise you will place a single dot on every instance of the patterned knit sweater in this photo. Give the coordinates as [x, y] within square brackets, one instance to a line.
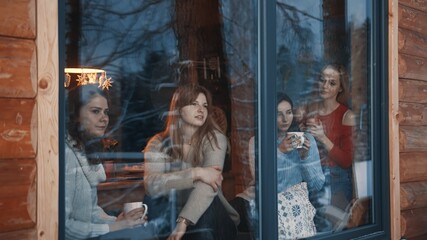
[291, 169]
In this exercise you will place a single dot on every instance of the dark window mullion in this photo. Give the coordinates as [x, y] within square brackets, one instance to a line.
[267, 173]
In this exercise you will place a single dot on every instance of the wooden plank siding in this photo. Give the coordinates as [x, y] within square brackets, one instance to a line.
[17, 194]
[18, 74]
[19, 120]
[414, 223]
[18, 24]
[413, 195]
[17, 19]
[18, 128]
[412, 117]
[413, 166]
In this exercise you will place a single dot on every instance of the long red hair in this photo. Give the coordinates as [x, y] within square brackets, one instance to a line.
[183, 96]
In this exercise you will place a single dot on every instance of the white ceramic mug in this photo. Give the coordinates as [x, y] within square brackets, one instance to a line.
[133, 205]
[297, 139]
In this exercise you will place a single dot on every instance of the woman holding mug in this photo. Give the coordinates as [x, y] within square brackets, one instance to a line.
[86, 126]
[297, 167]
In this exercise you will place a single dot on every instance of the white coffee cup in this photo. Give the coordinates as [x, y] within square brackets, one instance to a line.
[133, 205]
[297, 139]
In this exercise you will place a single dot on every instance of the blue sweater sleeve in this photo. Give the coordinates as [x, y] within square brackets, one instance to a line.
[311, 168]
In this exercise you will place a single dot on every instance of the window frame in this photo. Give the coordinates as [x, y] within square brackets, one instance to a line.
[266, 135]
[265, 110]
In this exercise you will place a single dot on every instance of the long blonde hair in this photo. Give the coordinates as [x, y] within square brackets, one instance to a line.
[183, 96]
[344, 95]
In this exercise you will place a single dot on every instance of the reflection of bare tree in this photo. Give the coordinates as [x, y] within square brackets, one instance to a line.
[198, 29]
[112, 33]
[134, 41]
[297, 63]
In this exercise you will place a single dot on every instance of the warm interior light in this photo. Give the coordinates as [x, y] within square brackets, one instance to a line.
[84, 76]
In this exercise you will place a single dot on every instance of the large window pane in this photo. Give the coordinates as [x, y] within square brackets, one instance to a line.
[136, 55]
[323, 82]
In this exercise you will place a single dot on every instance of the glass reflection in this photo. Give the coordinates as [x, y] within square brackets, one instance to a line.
[149, 49]
[322, 63]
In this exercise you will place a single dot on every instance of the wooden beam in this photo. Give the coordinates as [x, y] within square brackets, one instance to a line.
[412, 67]
[412, 43]
[18, 18]
[21, 234]
[413, 139]
[393, 109]
[18, 128]
[412, 19]
[17, 194]
[412, 91]
[414, 222]
[47, 100]
[412, 114]
[420, 5]
[413, 195]
[412, 166]
[18, 74]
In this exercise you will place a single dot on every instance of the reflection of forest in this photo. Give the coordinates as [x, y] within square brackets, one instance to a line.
[149, 47]
[328, 26]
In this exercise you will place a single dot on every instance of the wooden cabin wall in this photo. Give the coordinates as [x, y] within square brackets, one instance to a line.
[412, 72]
[28, 119]
[18, 120]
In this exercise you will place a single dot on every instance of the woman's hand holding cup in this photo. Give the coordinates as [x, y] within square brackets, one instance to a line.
[130, 217]
[287, 144]
[134, 214]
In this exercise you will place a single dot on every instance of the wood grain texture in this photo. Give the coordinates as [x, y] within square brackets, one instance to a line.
[17, 194]
[18, 128]
[413, 139]
[416, 4]
[412, 67]
[393, 125]
[18, 73]
[413, 166]
[412, 19]
[413, 195]
[414, 114]
[421, 237]
[412, 43]
[414, 222]
[412, 91]
[47, 101]
[30, 233]
[18, 18]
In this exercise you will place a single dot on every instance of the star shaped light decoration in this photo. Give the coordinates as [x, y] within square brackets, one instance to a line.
[88, 76]
[104, 82]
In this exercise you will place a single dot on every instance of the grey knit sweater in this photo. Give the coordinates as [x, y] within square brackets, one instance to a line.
[83, 217]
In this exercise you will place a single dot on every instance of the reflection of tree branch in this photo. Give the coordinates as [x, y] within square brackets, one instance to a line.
[294, 9]
[94, 6]
[294, 23]
[134, 29]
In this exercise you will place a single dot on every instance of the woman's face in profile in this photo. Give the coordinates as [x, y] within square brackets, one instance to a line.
[196, 112]
[284, 116]
[329, 85]
[94, 116]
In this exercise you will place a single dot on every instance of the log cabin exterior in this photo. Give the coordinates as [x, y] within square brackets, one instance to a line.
[29, 90]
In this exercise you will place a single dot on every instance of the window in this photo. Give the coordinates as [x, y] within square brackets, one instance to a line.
[123, 144]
